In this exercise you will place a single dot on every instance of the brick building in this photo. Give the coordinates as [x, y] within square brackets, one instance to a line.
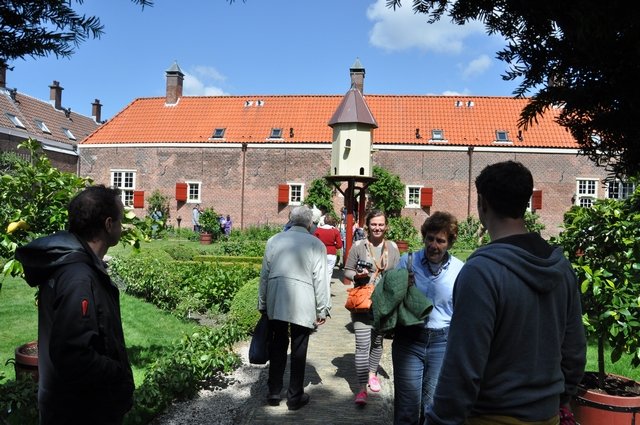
[57, 128]
[253, 157]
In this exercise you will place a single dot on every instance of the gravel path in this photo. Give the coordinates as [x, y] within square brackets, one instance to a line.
[330, 380]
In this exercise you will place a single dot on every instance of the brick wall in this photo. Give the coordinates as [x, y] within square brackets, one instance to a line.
[221, 172]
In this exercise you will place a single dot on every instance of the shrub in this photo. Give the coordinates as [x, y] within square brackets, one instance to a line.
[470, 234]
[243, 247]
[181, 287]
[401, 229]
[19, 401]
[180, 373]
[243, 309]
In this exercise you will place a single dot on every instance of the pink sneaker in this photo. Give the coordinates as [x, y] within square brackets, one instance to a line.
[361, 398]
[374, 384]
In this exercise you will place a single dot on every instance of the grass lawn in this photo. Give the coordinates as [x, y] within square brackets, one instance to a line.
[148, 330]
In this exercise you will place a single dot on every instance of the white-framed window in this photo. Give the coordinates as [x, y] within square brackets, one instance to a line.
[193, 192]
[125, 180]
[618, 189]
[218, 133]
[276, 133]
[68, 133]
[42, 126]
[15, 120]
[502, 136]
[437, 135]
[412, 196]
[296, 193]
[586, 192]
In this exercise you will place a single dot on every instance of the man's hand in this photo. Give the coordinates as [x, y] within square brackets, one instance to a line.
[320, 322]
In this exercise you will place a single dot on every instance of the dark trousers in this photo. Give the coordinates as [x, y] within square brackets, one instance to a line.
[278, 358]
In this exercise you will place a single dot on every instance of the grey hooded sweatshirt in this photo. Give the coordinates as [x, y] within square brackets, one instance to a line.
[516, 342]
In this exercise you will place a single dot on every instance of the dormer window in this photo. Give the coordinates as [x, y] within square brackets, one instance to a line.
[502, 136]
[68, 133]
[276, 133]
[437, 134]
[15, 120]
[218, 133]
[43, 127]
[458, 103]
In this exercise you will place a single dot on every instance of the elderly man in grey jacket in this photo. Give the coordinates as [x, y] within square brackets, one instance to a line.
[294, 293]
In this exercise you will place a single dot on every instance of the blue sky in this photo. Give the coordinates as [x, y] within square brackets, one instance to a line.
[265, 47]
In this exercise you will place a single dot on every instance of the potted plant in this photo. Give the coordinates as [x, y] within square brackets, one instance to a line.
[26, 360]
[402, 231]
[209, 226]
[603, 244]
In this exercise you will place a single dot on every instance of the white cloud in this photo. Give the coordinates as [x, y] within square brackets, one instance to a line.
[402, 29]
[203, 82]
[455, 93]
[477, 66]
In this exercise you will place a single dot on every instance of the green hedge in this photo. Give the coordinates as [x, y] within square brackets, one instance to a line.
[228, 260]
[244, 307]
[182, 287]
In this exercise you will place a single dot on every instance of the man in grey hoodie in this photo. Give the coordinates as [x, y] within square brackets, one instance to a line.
[516, 350]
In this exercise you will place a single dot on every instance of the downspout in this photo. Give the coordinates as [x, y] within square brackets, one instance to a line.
[470, 153]
[244, 154]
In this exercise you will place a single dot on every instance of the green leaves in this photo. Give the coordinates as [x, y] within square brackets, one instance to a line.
[387, 193]
[603, 244]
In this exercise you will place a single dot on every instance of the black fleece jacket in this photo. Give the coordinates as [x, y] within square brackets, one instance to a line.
[82, 358]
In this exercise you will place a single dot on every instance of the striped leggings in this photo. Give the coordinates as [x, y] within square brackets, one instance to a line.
[368, 353]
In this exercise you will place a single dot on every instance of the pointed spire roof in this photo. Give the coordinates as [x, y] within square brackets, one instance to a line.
[174, 69]
[357, 65]
[353, 109]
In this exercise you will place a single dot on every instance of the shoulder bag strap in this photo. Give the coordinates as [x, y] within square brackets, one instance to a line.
[412, 278]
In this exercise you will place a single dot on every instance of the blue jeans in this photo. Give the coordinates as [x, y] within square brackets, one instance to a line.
[417, 355]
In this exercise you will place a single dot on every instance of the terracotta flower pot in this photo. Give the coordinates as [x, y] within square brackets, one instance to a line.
[205, 238]
[403, 246]
[595, 407]
[26, 360]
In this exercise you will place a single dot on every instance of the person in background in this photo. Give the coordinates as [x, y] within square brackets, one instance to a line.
[330, 237]
[84, 371]
[195, 218]
[222, 222]
[382, 255]
[228, 224]
[517, 347]
[294, 294]
[418, 351]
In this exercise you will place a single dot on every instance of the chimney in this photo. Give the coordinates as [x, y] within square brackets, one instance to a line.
[357, 75]
[96, 110]
[55, 95]
[174, 84]
[3, 75]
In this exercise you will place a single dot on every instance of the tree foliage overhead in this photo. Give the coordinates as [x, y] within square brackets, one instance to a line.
[45, 27]
[583, 55]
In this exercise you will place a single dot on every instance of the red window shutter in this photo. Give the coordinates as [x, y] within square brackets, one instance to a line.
[426, 196]
[283, 193]
[536, 200]
[138, 199]
[181, 192]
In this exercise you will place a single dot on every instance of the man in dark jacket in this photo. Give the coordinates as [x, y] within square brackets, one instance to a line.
[516, 350]
[85, 374]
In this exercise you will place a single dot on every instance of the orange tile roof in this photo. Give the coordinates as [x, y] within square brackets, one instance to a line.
[465, 120]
